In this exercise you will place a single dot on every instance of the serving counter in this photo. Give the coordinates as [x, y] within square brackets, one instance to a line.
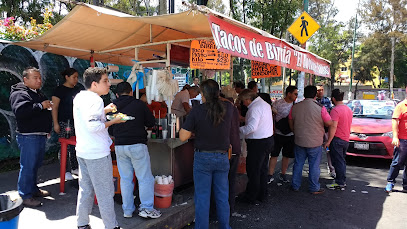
[172, 157]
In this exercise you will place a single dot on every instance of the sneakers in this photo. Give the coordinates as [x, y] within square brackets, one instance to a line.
[42, 193]
[294, 190]
[283, 178]
[85, 227]
[32, 203]
[334, 186]
[127, 215]
[68, 176]
[389, 187]
[75, 172]
[153, 214]
[270, 179]
[320, 191]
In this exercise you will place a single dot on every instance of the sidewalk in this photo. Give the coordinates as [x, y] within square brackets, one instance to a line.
[59, 211]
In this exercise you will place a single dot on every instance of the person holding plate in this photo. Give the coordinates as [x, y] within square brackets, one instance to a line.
[132, 153]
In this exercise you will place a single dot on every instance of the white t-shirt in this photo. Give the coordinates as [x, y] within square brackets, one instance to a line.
[177, 108]
[92, 138]
[283, 110]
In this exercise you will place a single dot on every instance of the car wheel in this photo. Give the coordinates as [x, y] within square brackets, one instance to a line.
[389, 112]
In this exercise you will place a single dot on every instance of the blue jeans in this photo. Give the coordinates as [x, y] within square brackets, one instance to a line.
[130, 159]
[32, 150]
[314, 159]
[211, 171]
[338, 148]
[399, 162]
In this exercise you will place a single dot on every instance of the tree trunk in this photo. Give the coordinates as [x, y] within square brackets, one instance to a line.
[356, 89]
[391, 79]
[162, 7]
[333, 80]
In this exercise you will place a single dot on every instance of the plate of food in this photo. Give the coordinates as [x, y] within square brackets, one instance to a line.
[123, 116]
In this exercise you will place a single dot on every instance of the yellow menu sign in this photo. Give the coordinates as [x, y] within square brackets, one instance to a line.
[204, 55]
[303, 28]
[264, 70]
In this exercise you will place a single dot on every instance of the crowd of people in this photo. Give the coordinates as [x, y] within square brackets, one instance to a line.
[219, 124]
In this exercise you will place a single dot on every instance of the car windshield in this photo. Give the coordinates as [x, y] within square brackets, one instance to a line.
[378, 109]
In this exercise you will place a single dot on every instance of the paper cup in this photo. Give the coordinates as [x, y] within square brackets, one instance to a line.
[165, 132]
[160, 180]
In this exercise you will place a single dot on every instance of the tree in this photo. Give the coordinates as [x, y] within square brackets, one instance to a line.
[10, 31]
[133, 7]
[23, 11]
[387, 17]
[333, 41]
[273, 16]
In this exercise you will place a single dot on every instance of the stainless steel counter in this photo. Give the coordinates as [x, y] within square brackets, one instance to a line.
[172, 157]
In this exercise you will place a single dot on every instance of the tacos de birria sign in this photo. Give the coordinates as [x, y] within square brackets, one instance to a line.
[242, 43]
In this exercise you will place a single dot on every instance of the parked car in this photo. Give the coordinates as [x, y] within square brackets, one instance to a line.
[371, 132]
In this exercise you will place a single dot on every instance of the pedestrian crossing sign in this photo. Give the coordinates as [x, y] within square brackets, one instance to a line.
[303, 28]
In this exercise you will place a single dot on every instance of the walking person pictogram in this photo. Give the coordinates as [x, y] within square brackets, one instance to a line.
[304, 25]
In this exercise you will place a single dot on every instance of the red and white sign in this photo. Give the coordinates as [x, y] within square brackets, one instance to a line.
[249, 45]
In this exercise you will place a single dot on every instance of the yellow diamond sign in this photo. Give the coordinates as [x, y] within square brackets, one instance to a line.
[303, 28]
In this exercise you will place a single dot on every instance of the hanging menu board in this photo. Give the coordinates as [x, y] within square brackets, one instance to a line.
[265, 70]
[204, 55]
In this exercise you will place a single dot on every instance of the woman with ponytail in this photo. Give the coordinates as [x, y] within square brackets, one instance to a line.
[215, 124]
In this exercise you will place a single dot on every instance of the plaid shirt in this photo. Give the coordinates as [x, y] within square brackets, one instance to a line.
[326, 103]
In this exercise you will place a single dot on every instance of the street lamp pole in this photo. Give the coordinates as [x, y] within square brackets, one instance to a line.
[353, 55]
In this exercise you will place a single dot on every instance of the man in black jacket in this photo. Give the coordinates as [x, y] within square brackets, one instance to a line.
[132, 153]
[34, 123]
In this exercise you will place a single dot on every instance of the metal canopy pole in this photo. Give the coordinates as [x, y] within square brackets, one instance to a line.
[137, 84]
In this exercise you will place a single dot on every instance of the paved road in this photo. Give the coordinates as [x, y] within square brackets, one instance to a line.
[364, 204]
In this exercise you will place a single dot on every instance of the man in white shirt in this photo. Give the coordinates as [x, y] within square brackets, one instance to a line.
[180, 106]
[195, 82]
[258, 133]
[93, 149]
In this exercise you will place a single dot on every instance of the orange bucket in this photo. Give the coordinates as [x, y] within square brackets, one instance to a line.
[163, 195]
[116, 178]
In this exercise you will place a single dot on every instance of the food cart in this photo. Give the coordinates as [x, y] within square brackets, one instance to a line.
[99, 34]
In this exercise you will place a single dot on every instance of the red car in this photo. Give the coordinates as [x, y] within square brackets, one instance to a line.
[371, 132]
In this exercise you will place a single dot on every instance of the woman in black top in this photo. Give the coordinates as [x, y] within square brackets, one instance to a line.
[216, 128]
[62, 115]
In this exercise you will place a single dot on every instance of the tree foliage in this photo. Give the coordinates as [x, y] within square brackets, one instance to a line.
[333, 41]
[133, 7]
[273, 16]
[23, 11]
[9, 30]
[386, 19]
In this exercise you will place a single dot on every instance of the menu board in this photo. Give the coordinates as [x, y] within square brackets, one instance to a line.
[265, 70]
[204, 55]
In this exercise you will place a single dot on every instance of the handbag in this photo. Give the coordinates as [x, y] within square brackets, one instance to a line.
[283, 126]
